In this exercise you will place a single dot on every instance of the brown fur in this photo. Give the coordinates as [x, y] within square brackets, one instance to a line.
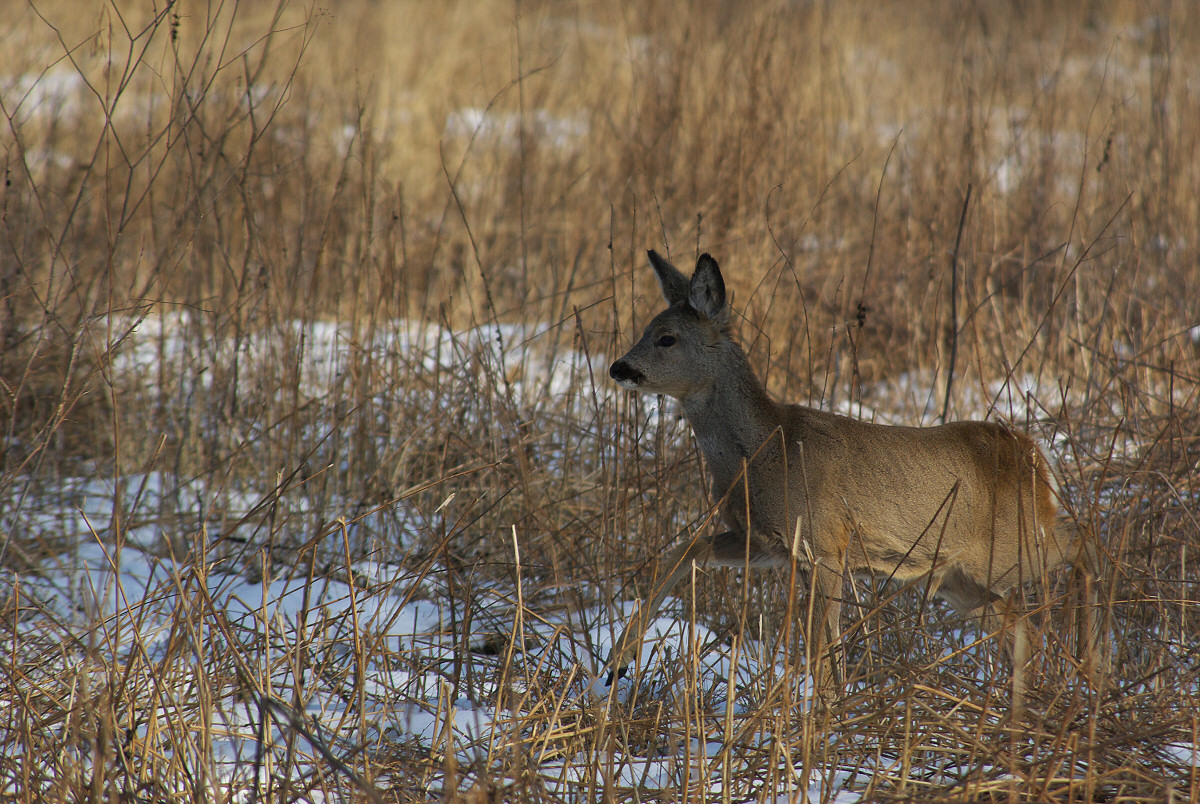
[971, 506]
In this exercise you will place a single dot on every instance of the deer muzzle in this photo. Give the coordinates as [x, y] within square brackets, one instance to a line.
[625, 375]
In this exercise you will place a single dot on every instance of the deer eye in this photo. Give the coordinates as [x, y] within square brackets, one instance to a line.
[666, 340]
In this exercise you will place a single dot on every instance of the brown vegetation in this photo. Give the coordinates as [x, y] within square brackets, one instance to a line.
[195, 194]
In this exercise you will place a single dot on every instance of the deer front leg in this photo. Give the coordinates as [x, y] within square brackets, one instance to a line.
[728, 549]
[824, 627]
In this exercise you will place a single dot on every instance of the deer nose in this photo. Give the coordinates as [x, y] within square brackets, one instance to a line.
[624, 373]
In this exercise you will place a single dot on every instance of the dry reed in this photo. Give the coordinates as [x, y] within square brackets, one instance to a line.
[302, 295]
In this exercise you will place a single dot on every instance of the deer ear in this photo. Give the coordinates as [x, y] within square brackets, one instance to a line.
[674, 284]
[706, 292]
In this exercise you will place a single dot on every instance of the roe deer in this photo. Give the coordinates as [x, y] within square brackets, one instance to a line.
[970, 506]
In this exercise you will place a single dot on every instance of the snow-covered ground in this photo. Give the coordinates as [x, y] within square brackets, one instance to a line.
[127, 601]
[387, 664]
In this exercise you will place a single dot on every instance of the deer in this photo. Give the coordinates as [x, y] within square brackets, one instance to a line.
[970, 507]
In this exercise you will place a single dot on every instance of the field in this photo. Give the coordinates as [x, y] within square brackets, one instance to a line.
[314, 487]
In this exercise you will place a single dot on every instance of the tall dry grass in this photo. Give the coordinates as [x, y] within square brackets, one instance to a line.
[886, 184]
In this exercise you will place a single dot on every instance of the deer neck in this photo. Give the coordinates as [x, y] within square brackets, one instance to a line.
[733, 416]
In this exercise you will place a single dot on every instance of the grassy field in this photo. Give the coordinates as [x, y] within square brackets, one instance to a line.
[313, 485]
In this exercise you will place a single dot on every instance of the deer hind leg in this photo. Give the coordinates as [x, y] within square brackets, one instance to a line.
[1091, 568]
[1089, 628]
[728, 549]
[998, 616]
[1005, 618]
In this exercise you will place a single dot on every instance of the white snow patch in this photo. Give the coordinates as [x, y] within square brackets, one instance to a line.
[504, 128]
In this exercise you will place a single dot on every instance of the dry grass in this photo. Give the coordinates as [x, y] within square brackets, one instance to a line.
[238, 180]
